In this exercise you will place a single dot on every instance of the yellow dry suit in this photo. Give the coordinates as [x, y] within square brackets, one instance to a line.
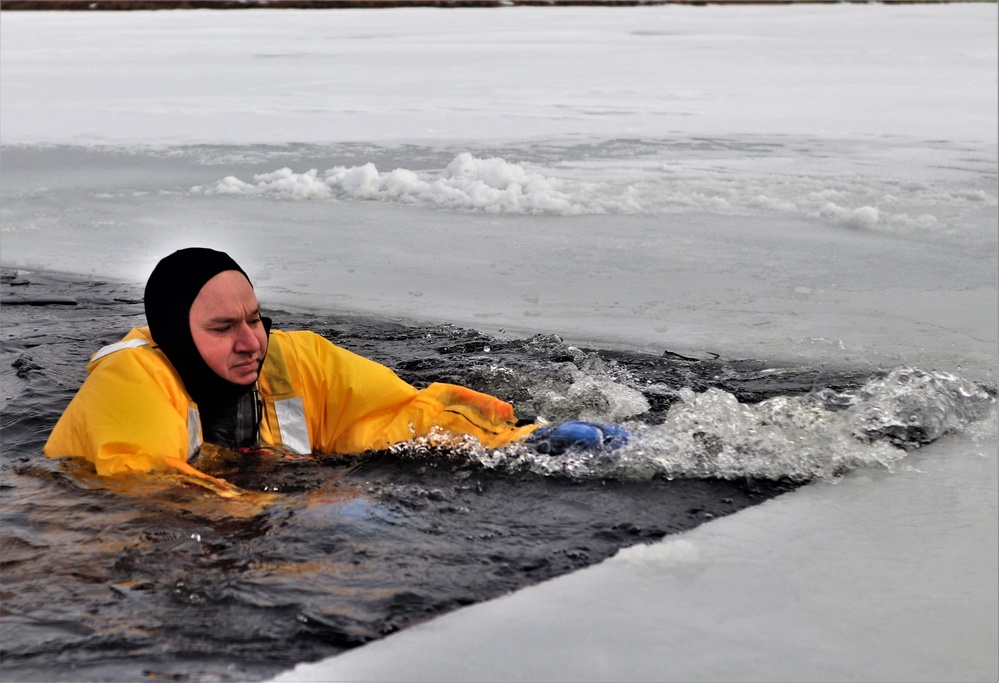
[132, 412]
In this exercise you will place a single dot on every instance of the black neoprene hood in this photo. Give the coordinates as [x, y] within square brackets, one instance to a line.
[170, 291]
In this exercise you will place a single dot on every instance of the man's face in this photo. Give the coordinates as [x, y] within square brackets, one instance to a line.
[226, 327]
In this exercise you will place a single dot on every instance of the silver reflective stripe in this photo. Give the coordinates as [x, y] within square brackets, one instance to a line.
[111, 348]
[291, 424]
[193, 432]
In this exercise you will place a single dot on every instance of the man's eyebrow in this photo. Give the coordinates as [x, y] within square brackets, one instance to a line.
[233, 319]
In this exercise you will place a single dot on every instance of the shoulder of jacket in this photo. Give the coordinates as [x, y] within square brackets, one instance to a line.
[118, 346]
[294, 333]
[297, 348]
[297, 337]
[137, 338]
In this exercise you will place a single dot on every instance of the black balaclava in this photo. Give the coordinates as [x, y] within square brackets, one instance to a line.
[173, 286]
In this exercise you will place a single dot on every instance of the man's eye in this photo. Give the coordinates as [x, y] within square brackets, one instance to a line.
[221, 330]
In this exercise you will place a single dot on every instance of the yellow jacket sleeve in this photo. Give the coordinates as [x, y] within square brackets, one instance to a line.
[130, 414]
[354, 404]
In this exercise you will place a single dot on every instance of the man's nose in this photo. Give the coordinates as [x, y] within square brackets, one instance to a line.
[246, 340]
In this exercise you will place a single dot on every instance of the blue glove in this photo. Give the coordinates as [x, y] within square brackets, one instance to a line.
[590, 436]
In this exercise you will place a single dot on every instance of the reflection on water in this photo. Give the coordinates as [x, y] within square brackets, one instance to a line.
[151, 578]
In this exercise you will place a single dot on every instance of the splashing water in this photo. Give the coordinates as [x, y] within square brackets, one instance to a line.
[711, 434]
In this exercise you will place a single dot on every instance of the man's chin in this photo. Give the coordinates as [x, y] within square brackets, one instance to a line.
[243, 378]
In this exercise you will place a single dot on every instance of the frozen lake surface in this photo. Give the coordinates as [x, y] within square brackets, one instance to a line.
[811, 185]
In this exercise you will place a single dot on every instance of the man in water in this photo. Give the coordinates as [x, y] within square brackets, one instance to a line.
[208, 369]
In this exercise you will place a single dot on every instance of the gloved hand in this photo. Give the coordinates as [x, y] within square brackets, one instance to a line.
[591, 436]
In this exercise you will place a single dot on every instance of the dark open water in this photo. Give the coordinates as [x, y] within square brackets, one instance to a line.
[128, 579]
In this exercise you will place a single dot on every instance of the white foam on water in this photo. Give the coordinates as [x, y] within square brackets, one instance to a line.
[495, 185]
